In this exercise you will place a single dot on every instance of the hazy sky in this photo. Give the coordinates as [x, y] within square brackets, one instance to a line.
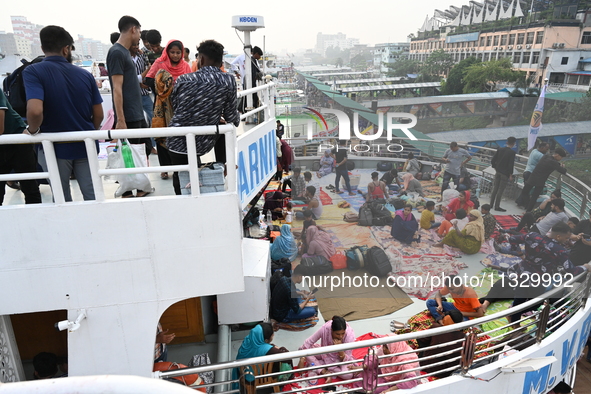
[290, 25]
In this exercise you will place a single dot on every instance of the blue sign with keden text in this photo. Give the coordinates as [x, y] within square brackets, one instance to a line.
[257, 160]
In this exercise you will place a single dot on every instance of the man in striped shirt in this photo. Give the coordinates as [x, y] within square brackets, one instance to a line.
[141, 67]
[205, 97]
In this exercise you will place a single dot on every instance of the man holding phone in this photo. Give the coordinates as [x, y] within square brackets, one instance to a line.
[581, 251]
[287, 302]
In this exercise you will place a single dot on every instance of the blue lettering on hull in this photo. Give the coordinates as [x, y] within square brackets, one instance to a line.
[257, 164]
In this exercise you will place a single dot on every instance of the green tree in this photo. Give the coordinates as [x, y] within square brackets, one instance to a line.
[339, 62]
[358, 63]
[455, 80]
[437, 64]
[402, 67]
[483, 77]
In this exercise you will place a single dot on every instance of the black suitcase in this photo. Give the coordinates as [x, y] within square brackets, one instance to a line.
[316, 265]
[377, 262]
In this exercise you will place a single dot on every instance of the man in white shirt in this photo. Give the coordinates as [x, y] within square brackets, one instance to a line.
[555, 216]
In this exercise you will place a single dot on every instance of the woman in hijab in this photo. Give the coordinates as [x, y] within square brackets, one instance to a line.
[412, 185]
[284, 245]
[333, 332]
[462, 201]
[470, 239]
[405, 226]
[319, 243]
[256, 344]
[326, 164]
[161, 77]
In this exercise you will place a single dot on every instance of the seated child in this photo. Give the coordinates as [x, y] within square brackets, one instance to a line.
[287, 213]
[461, 219]
[428, 217]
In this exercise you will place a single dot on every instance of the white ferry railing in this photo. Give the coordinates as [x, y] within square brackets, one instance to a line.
[558, 306]
[89, 137]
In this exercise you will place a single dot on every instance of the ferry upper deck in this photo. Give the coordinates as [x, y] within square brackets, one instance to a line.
[124, 263]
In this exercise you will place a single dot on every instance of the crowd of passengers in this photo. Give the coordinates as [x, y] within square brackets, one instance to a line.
[547, 239]
[152, 86]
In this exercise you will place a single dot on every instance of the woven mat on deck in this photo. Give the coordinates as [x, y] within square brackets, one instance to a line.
[357, 303]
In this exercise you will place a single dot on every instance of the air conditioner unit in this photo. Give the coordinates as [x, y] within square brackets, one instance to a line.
[561, 45]
[473, 49]
[555, 45]
[501, 48]
[528, 46]
[510, 47]
[495, 48]
[518, 46]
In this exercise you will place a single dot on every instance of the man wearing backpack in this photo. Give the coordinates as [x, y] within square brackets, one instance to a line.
[62, 97]
[18, 158]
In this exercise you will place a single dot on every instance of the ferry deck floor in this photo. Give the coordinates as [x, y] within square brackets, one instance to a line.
[289, 339]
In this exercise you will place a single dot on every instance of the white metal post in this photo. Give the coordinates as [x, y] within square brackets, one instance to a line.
[93, 163]
[248, 68]
[54, 173]
[193, 166]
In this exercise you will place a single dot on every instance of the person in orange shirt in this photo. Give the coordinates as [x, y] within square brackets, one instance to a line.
[465, 300]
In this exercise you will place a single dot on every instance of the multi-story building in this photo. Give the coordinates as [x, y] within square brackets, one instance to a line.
[388, 53]
[340, 40]
[11, 44]
[544, 44]
[91, 49]
[28, 31]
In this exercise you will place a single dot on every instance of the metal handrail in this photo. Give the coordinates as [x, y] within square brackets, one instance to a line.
[381, 341]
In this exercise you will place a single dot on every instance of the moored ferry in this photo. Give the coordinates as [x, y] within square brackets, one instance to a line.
[107, 271]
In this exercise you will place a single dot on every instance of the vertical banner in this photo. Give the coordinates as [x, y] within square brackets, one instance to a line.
[470, 106]
[536, 121]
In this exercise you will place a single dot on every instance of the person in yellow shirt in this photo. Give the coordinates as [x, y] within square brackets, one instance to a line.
[428, 217]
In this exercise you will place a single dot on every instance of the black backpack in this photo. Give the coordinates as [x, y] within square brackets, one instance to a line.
[381, 216]
[384, 166]
[377, 262]
[398, 203]
[365, 216]
[14, 87]
[316, 265]
[475, 200]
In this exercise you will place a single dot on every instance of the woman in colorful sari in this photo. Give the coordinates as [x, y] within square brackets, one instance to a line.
[470, 239]
[319, 243]
[399, 370]
[161, 77]
[462, 201]
[326, 164]
[284, 245]
[405, 226]
[412, 185]
[333, 332]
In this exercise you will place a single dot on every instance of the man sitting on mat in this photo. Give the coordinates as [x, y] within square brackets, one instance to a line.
[465, 300]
